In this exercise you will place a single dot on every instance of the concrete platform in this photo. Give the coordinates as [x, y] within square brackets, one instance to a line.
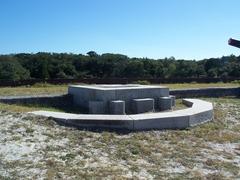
[107, 93]
[199, 111]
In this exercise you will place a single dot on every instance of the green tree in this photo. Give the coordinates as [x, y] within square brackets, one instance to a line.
[134, 69]
[92, 54]
[11, 69]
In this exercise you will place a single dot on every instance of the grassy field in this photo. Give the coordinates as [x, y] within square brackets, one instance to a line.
[33, 147]
[201, 85]
[37, 148]
[40, 89]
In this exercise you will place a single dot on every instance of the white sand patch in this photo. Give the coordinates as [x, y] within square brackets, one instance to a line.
[174, 167]
[15, 152]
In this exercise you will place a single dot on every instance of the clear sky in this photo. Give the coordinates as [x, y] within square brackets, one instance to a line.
[188, 29]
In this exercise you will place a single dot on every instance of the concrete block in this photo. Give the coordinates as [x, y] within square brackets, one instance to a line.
[173, 100]
[199, 118]
[96, 107]
[177, 122]
[142, 105]
[90, 121]
[117, 107]
[83, 94]
[165, 103]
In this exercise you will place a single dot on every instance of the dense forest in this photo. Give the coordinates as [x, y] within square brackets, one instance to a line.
[62, 65]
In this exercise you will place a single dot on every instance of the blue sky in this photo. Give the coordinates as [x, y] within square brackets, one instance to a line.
[185, 29]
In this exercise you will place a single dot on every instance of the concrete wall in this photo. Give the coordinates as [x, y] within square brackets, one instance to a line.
[206, 92]
[52, 100]
[199, 112]
[82, 95]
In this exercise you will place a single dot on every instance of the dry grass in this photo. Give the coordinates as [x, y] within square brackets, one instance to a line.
[32, 148]
[200, 85]
[27, 108]
[40, 89]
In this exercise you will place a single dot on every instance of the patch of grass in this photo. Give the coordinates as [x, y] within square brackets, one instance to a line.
[5, 178]
[216, 176]
[16, 138]
[47, 85]
[179, 105]
[142, 82]
[29, 130]
[33, 90]
[43, 88]
[68, 156]
[222, 165]
[200, 85]
[26, 108]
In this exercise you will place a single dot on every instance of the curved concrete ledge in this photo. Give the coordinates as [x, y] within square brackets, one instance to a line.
[199, 111]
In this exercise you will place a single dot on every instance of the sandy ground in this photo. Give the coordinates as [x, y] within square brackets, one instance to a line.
[37, 148]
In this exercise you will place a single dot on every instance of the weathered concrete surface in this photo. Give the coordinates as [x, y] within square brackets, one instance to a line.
[199, 112]
[165, 103]
[142, 105]
[117, 107]
[198, 116]
[86, 121]
[106, 93]
[173, 100]
[96, 107]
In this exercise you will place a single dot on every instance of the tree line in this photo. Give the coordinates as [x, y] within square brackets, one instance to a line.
[63, 65]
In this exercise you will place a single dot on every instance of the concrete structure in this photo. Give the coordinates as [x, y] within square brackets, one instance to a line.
[82, 95]
[117, 107]
[165, 103]
[142, 105]
[199, 112]
[173, 100]
[96, 107]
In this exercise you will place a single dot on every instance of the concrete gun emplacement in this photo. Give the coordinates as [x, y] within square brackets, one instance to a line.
[234, 42]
